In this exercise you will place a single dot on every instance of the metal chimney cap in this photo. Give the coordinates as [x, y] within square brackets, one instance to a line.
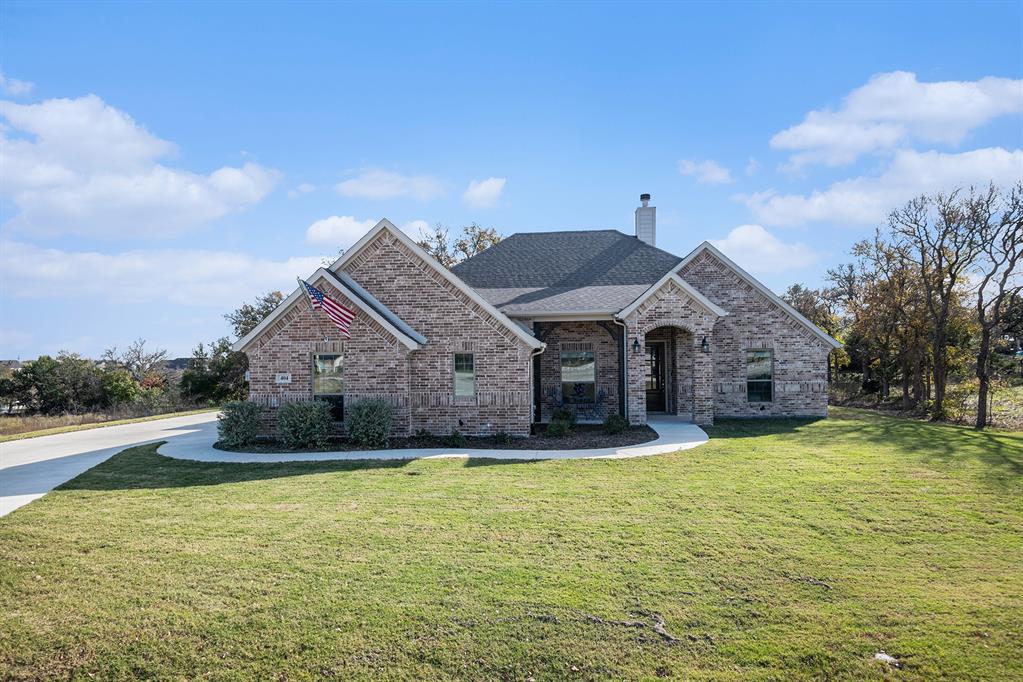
[644, 197]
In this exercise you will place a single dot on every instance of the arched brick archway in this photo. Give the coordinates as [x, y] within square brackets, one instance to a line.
[670, 366]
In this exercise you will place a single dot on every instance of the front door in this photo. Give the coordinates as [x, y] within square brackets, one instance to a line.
[655, 401]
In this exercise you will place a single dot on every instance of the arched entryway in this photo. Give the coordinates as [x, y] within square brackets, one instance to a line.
[668, 370]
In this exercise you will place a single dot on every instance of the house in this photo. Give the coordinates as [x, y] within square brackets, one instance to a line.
[596, 322]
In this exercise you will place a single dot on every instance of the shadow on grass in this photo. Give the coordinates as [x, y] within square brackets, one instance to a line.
[141, 467]
[999, 450]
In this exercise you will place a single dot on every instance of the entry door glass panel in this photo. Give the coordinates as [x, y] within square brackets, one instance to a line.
[655, 377]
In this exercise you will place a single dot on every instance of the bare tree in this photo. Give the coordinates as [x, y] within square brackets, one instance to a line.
[998, 220]
[940, 235]
[473, 239]
[137, 360]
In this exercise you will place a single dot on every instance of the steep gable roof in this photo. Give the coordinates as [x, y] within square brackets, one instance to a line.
[701, 300]
[575, 271]
[752, 281]
[384, 224]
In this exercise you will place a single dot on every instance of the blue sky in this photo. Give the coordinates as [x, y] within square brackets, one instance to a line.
[162, 163]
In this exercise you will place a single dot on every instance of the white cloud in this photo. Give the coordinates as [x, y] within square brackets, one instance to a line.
[752, 166]
[299, 190]
[13, 86]
[338, 231]
[188, 277]
[893, 109]
[80, 166]
[414, 228]
[708, 172]
[483, 193]
[760, 252]
[868, 199]
[380, 184]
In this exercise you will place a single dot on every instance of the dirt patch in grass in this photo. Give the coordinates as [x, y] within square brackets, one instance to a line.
[582, 437]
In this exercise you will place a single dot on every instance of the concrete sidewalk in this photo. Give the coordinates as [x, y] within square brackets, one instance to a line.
[196, 442]
[32, 467]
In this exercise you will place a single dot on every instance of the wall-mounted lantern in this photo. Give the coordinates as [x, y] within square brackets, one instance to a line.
[704, 345]
[635, 345]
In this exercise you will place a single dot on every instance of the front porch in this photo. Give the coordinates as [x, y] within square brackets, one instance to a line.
[595, 368]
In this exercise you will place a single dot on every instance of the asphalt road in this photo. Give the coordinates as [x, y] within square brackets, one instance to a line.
[32, 467]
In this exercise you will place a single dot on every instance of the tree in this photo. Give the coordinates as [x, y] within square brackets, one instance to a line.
[143, 365]
[120, 387]
[215, 374]
[249, 315]
[473, 239]
[999, 224]
[818, 306]
[67, 383]
[939, 234]
[16, 389]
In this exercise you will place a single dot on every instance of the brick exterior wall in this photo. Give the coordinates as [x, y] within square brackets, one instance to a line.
[419, 384]
[756, 322]
[451, 322]
[376, 365]
[583, 336]
[671, 307]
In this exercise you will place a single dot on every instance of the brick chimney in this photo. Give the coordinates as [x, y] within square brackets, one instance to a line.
[646, 221]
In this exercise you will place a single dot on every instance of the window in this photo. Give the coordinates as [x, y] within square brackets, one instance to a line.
[578, 376]
[329, 383]
[759, 372]
[465, 375]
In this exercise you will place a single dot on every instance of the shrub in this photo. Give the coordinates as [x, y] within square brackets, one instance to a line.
[304, 425]
[368, 422]
[559, 428]
[615, 423]
[238, 423]
[502, 438]
[457, 439]
[564, 415]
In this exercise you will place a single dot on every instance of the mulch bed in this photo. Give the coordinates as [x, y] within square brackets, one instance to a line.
[583, 436]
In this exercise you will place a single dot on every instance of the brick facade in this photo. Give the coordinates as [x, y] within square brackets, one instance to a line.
[419, 384]
[755, 322]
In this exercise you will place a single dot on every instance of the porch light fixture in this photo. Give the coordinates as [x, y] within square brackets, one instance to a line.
[704, 345]
[635, 345]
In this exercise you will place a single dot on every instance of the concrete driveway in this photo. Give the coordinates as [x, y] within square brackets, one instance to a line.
[32, 467]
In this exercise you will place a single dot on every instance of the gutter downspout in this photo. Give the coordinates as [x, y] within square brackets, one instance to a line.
[535, 357]
[623, 374]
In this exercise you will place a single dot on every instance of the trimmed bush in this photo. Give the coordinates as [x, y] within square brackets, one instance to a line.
[615, 423]
[368, 422]
[559, 428]
[502, 438]
[457, 440]
[564, 415]
[304, 425]
[238, 424]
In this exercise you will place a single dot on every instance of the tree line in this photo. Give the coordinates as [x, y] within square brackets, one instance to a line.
[934, 294]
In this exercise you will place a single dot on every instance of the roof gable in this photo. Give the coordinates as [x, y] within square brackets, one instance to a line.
[370, 306]
[756, 284]
[700, 299]
[384, 224]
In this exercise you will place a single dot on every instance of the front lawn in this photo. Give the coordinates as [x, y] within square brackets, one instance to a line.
[781, 549]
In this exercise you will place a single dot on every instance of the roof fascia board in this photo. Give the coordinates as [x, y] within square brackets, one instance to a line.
[750, 279]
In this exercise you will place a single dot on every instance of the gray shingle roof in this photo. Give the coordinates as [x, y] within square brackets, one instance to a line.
[552, 272]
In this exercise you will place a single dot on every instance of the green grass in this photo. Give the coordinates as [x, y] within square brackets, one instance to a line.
[95, 425]
[780, 550]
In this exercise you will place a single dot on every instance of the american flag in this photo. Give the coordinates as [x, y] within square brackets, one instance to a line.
[340, 315]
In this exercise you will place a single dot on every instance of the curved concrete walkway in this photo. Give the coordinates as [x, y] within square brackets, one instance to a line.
[196, 442]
